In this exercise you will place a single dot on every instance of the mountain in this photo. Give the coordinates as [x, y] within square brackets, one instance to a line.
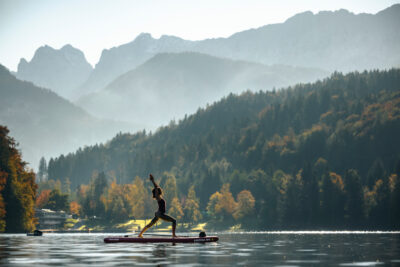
[60, 70]
[118, 60]
[46, 124]
[170, 85]
[337, 40]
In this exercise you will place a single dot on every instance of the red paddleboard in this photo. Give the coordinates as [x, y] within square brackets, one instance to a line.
[118, 239]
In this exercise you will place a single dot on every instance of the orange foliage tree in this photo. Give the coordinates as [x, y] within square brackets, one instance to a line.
[74, 208]
[43, 198]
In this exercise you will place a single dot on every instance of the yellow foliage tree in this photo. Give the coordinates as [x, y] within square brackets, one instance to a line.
[138, 195]
[212, 204]
[115, 204]
[245, 205]
[222, 205]
[227, 201]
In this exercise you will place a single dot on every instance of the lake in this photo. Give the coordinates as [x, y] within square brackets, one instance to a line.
[248, 249]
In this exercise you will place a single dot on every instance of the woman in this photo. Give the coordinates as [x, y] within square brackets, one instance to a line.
[160, 213]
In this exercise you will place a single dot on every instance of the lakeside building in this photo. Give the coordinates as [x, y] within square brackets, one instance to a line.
[50, 219]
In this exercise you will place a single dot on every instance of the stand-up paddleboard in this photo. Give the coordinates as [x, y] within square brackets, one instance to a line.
[160, 239]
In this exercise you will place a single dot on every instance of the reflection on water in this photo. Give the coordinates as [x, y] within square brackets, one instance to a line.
[249, 249]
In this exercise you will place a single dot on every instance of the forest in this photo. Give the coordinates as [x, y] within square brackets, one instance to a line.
[312, 156]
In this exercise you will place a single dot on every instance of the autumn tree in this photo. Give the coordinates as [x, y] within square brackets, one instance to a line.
[43, 198]
[138, 195]
[116, 208]
[17, 188]
[222, 205]
[213, 207]
[245, 206]
[74, 208]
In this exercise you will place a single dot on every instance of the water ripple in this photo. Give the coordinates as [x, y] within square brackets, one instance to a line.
[248, 249]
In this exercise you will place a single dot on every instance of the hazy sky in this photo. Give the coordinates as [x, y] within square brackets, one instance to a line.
[92, 25]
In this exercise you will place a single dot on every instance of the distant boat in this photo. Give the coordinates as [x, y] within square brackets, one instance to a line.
[35, 233]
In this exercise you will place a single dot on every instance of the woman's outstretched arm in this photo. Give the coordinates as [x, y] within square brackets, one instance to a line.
[152, 180]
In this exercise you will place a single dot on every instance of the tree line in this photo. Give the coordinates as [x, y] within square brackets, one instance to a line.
[323, 154]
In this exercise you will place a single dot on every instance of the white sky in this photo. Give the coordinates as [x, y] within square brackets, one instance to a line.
[93, 25]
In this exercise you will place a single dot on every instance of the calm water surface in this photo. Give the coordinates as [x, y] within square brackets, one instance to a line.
[248, 249]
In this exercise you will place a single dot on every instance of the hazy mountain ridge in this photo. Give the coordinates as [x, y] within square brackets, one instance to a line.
[44, 123]
[337, 40]
[61, 70]
[170, 85]
[118, 60]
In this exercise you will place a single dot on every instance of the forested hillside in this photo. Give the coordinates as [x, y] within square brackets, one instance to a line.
[314, 155]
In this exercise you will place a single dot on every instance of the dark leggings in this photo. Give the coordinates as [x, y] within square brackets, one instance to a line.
[158, 215]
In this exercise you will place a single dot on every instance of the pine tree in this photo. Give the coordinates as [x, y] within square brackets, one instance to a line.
[42, 172]
[354, 198]
[170, 189]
